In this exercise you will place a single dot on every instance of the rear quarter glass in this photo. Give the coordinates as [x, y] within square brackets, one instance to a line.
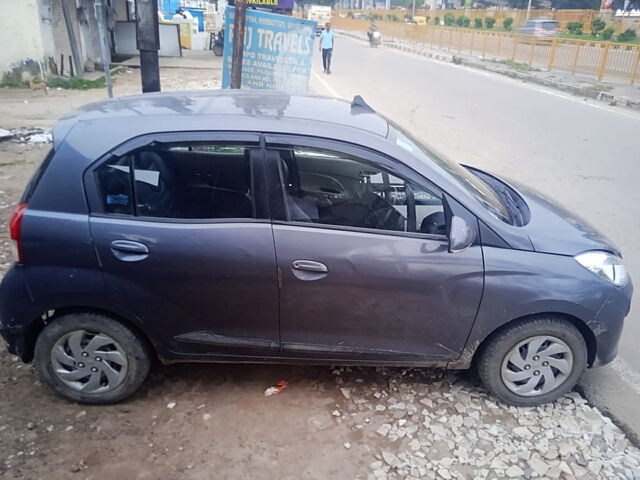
[37, 175]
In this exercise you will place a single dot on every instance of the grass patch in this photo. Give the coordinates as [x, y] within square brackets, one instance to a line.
[517, 66]
[75, 83]
[587, 37]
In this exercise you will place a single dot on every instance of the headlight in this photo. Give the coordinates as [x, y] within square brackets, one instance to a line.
[605, 265]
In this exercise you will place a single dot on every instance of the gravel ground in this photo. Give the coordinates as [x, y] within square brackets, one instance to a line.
[213, 421]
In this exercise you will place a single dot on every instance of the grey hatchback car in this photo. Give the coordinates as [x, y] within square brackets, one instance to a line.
[262, 227]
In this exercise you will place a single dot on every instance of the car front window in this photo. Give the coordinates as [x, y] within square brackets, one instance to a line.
[482, 192]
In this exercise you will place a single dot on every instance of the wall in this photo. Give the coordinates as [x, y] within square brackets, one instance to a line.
[21, 38]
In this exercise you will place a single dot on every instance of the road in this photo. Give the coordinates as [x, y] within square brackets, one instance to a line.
[582, 154]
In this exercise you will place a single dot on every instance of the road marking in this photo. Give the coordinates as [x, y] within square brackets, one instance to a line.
[627, 373]
[324, 83]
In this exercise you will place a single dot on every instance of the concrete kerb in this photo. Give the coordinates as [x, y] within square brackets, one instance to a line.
[574, 89]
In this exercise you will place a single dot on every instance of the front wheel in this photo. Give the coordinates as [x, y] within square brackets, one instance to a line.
[218, 50]
[91, 358]
[533, 361]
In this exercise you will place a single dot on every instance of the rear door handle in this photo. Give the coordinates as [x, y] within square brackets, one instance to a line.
[129, 246]
[309, 266]
[129, 251]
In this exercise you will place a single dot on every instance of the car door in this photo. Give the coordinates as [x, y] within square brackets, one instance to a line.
[363, 257]
[181, 228]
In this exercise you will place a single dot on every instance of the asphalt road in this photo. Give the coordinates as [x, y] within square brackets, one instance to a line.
[585, 155]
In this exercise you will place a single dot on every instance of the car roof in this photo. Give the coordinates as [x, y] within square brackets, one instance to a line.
[251, 110]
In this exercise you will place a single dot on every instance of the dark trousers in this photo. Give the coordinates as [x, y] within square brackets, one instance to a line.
[326, 59]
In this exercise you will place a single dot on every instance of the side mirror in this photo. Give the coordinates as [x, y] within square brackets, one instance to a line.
[461, 236]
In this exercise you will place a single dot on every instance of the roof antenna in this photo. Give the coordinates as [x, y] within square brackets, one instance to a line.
[358, 102]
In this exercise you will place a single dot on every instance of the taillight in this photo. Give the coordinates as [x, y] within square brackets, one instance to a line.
[15, 228]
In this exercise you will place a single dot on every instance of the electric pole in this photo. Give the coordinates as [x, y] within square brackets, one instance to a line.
[148, 37]
[239, 18]
[98, 8]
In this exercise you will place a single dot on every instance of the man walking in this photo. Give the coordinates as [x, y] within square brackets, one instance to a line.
[326, 47]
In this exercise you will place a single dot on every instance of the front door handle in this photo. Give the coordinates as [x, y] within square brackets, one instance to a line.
[129, 251]
[309, 266]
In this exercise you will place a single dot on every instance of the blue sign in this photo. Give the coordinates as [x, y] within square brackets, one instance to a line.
[277, 51]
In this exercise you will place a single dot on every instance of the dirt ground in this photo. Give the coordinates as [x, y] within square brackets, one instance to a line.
[214, 421]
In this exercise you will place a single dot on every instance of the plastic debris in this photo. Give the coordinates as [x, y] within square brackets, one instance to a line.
[275, 389]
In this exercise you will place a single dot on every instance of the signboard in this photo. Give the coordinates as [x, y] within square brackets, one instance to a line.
[273, 4]
[277, 51]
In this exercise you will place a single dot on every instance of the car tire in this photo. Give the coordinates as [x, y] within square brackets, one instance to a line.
[511, 361]
[114, 358]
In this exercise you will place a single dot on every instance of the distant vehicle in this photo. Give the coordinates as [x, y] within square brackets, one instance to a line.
[321, 14]
[187, 227]
[360, 16]
[375, 38]
[541, 28]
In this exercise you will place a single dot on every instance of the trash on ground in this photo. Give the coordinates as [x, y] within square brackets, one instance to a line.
[275, 389]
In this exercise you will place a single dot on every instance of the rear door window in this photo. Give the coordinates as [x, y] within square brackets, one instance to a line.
[180, 181]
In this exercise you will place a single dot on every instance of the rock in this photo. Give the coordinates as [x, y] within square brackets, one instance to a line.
[523, 432]
[206, 416]
[564, 468]
[69, 428]
[383, 429]
[346, 393]
[50, 428]
[401, 422]
[438, 429]
[335, 413]
[551, 454]
[538, 465]
[426, 402]
[398, 406]
[469, 422]
[595, 466]
[81, 414]
[414, 445]
[460, 408]
[75, 468]
[514, 472]
[444, 473]
[347, 445]
[171, 405]
[31, 426]
[391, 459]
[380, 408]
[554, 472]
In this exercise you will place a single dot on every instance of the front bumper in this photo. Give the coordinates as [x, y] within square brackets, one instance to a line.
[18, 313]
[608, 323]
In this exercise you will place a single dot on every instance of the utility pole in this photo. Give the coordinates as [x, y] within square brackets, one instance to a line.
[98, 8]
[239, 18]
[148, 37]
[528, 11]
[79, 70]
[413, 9]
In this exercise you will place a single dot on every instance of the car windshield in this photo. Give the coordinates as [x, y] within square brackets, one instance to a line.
[482, 192]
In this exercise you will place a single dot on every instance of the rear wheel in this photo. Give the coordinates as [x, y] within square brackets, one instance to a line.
[218, 50]
[91, 358]
[533, 361]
